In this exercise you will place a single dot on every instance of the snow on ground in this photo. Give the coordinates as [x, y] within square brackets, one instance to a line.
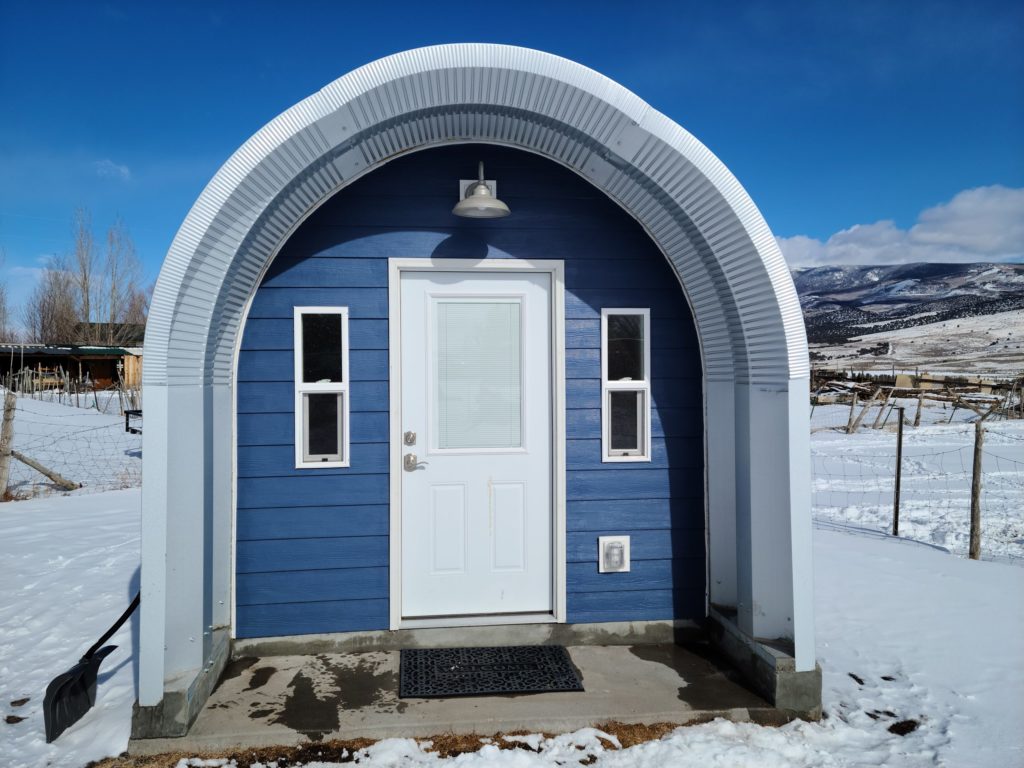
[854, 478]
[69, 567]
[82, 445]
[905, 631]
[986, 343]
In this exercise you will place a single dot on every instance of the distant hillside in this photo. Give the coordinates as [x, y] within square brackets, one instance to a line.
[843, 302]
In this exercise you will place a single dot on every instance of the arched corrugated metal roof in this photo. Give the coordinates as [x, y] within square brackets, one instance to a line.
[746, 307]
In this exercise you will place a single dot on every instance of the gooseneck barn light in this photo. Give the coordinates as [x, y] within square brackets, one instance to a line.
[479, 202]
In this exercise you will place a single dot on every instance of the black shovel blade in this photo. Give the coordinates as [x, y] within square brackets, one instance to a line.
[72, 694]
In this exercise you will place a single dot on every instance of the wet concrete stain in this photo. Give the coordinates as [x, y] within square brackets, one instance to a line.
[366, 685]
[236, 667]
[708, 685]
[259, 678]
[321, 690]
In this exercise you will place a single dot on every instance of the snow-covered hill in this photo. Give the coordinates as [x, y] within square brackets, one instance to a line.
[841, 302]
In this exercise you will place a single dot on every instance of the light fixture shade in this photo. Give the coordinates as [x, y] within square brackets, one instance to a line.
[480, 203]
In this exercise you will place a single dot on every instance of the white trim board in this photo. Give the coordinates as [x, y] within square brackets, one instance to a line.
[556, 268]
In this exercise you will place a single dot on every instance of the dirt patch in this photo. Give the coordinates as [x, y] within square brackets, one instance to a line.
[21, 702]
[12, 719]
[444, 744]
[903, 727]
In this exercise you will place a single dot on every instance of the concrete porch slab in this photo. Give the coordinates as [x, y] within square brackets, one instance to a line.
[289, 700]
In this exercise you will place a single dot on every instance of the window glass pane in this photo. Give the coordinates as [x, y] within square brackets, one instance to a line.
[322, 419]
[321, 347]
[478, 370]
[625, 347]
[627, 424]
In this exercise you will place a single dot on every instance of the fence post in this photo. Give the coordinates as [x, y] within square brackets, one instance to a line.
[7, 440]
[975, 547]
[899, 467]
[917, 416]
[853, 407]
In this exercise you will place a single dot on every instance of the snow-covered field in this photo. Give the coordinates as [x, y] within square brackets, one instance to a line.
[905, 632]
[854, 478]
[983, 344]
[82, 445]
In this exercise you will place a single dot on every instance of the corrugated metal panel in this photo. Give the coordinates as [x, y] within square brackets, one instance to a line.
[747, 310]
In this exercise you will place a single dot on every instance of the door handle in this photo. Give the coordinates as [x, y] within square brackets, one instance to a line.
[409, 462]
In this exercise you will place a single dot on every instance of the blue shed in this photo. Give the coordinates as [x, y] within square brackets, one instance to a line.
[365, 413]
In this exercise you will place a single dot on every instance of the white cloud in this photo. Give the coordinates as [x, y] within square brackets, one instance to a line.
[108, 169]
[982, 224]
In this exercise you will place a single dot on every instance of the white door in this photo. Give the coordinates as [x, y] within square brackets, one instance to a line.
[476, 423]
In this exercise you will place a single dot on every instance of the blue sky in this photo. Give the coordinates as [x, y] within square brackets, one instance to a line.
[895, 127]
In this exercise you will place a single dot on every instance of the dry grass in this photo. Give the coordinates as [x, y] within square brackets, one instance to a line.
[444, 744]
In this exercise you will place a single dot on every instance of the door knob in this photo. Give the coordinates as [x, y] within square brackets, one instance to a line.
[409, 462]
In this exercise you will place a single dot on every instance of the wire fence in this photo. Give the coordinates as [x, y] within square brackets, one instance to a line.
[854, 476]
[87, 447]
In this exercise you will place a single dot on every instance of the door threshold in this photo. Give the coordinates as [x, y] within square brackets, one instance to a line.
[493, 619]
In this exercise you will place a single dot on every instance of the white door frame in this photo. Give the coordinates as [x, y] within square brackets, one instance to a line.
[557, 307]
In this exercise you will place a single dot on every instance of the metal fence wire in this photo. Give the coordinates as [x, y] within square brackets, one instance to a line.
[86, 446]
[854, 478]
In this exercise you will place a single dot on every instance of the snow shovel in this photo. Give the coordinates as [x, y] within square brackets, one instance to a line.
[72, 694]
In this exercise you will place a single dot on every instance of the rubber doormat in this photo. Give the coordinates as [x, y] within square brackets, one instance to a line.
[432, 673]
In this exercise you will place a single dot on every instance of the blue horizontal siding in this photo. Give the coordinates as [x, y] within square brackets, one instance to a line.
[583, 423]
[677, 452]
[643, 575]
[665, 392]
[278, 333]
[279, 396]
[275, 523]
[362, 303]
[270, 587]
[277, 365]
[279, 461]
[581, 546]
[615, 516]
[299, 618]
[317, 554]
[279, 428]
[312, 552]
[309, 490]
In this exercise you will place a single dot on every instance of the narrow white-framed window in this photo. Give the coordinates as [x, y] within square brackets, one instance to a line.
[625, 384]
[321, 387]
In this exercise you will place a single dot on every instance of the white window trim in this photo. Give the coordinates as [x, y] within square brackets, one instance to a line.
[302, 388]
[607, 387]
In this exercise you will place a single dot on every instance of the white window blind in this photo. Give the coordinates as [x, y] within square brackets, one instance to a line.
[478, 387]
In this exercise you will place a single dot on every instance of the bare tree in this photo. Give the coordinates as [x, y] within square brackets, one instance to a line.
[8, 334]
[51, 312]
[80, 299]
[83, 262]
[124, 302]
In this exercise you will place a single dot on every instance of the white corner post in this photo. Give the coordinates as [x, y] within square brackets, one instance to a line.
[176, 544]
[773, 526]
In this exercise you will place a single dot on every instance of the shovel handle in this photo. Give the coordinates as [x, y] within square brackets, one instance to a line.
[117, 625]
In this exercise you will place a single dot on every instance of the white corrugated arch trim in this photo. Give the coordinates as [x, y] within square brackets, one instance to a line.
[745, 306]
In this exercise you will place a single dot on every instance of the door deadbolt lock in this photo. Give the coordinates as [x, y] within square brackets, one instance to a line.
[409, 438]
[409, 462]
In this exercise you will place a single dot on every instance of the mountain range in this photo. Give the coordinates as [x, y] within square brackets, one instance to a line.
[841, 302]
